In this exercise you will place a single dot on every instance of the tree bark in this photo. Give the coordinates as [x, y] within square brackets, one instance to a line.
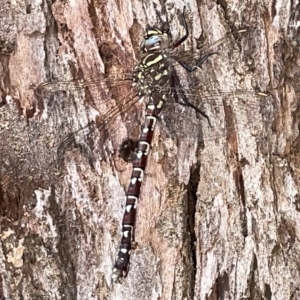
[218, 217]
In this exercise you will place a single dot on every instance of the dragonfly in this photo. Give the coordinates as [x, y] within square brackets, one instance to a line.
[155, 80]
[108, 90]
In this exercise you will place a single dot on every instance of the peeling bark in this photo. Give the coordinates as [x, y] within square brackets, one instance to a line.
[217, 219]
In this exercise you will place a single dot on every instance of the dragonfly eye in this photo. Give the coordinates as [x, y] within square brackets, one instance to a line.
[150, 43]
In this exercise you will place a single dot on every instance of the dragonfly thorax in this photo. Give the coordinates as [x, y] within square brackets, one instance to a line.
[152, 74]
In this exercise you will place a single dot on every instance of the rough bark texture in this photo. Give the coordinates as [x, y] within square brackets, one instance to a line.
[216, 220]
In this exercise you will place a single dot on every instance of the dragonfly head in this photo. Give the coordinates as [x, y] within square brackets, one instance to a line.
[154, 39]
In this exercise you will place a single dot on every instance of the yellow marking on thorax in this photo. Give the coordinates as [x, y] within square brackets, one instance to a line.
[154, 61]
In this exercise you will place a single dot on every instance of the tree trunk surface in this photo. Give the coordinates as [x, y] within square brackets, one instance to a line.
[219, 212]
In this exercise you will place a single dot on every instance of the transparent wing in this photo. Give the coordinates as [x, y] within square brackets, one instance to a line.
[123, 78]
[33, 149]
[183, 122]
[214, 47]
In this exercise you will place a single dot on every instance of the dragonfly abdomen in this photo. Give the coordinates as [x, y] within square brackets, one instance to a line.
[148, 78]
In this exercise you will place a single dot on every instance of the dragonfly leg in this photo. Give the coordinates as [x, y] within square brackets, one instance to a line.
[183, 38]
[187, 103]
[177, 92]
[198, 64]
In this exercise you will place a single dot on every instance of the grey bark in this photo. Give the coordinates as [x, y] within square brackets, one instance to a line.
[217, 219]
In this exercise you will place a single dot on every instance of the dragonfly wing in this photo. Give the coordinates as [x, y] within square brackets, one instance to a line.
[192, 57]
[103, 122]
[214, 102]
[245, 104]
